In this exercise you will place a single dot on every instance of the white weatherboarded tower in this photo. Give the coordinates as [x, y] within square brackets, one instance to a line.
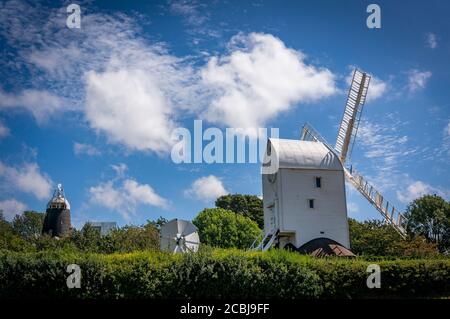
[305, 199]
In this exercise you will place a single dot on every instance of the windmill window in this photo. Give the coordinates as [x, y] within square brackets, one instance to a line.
[318, 182]
[311, 203]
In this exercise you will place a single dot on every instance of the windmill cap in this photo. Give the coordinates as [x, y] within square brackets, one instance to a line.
[58, 200]
[304, 154]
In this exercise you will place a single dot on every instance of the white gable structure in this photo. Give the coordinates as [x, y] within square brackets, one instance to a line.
[305, 199]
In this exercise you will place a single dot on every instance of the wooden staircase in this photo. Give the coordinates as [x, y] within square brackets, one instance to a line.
[264, 241]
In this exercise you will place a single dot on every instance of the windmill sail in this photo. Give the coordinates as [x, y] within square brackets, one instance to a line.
[179, 236]
[391, 215]
[352, 114]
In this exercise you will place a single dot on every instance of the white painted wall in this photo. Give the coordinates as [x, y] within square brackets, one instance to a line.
[289, 195]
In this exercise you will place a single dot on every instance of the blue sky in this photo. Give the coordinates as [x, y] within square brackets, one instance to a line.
[94, 108]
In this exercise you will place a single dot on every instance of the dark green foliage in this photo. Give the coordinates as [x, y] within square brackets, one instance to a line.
[121, 240]
[250, 206]
[222, 228]
[157, 223]
[21, 236]
[46, 242]
[375, 238]
[87, 239]
[216, 274]
[132, 238]
[429, 216]
[399, 278]
[29, 224]
[10, 240]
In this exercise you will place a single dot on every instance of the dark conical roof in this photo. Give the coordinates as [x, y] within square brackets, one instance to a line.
[321, 247]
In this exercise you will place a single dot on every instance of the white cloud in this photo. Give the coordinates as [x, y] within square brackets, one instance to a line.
[190, 10]
[143, 193]
[417, 79]
[133, 91]
[386, 151]
[431, 40]
[105, 194]
[443, 151]
[81, 148]
[120, 169]
[125, 197]
[27, 178]
[11, 208]
[382, 141]
[417, 189]
[196, 15]
[259, 79]
[377, 88]
[136, 99]
[130, 108]
[4, 130]
[41, 104]
[126, 86]
[206, 188]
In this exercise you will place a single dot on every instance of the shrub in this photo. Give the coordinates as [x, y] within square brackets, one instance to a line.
[216, 273]
[250, 206]
[429, 216]
[376, 238]
[223, 228]
[29, 224]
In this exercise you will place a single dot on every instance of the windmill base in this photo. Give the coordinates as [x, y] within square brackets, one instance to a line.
[321, 247]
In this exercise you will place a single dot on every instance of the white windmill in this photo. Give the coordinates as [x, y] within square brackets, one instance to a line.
[179, 236]
[305, 199]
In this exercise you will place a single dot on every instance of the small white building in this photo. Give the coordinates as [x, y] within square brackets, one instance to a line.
[103, 227]
[305, 199]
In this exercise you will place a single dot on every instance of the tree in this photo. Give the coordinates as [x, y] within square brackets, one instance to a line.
[29, 224]
[161, 221]
[376, 238]
[223, 228]
[429, 216]
[6, 232]
[9, 239]
[131, 238]
[250, 206]
[418, 247]
[373, 238]
[87, 239]
[47, 242]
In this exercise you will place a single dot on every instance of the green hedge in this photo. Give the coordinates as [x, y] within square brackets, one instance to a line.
[216, 274]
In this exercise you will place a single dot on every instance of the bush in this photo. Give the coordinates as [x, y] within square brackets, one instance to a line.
[223, 228]
[131, 238]
[29, 224]
[376, 238]
[215, 274]
[250, 206]
[429, 216]
[10, 240]
[23, 235]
